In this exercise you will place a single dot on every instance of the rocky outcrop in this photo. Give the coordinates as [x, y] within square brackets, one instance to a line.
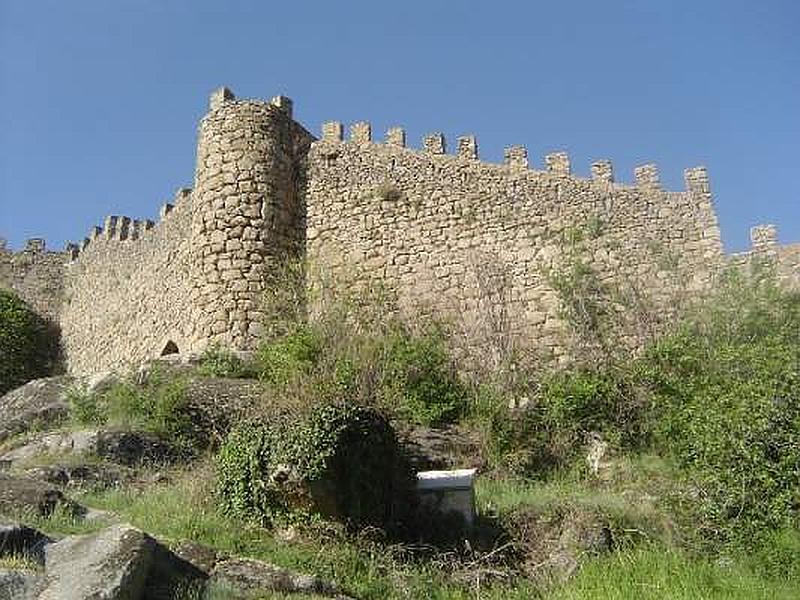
[40, 403]
[247, 578]
[120, 562]
[20, 495]
[128, 448]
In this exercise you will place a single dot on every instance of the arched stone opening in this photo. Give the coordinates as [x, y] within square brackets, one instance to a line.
[170, 348]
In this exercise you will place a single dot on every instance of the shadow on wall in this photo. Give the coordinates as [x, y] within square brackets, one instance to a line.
[30, 345]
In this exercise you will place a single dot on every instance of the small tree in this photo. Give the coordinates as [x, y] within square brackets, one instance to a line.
[27, 344]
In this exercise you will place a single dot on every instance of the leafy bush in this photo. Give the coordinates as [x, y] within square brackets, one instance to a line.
[727, 396]
[216, 361]
[553, 427]
[159, 406]
[293, 354]
[28, 345]
[378, 362]
[340, 460]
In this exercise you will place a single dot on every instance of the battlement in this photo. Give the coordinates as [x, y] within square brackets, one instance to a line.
[435, 223]
[117, 228]
[555, 164]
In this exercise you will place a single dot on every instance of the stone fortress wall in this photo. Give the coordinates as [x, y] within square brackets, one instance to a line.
[452, 236]
[464, 238]
[37, 275]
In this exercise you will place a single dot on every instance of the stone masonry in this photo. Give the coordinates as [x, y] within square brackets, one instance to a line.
[452, 236]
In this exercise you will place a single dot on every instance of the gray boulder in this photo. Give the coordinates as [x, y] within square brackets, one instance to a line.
[248, 578]
[19, 584]
[111, 564]
[40, 403]
[21, 495]
[128, 448]
[117, 563]
[59, 442]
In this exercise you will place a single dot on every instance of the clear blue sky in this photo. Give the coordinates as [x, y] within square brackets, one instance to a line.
[99, 100]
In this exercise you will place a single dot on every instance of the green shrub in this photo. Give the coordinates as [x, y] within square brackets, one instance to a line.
[419, 376]
[159, 406]
[727, 397]
[410, 375]
[216, 361]
[552, 429]
[28, 345]
[726, 390]
[340, 460]
[293, 354]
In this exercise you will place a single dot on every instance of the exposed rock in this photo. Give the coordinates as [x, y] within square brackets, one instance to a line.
[111, 564]
[120, 562]
[61, 442]
[553, 545]
[40, 403]
[132, 448]
[94, 475]
[128, 448]
[19, 584]
[441, 448]
[250, 577]
[99, 382]
[596, 453]
[201, 556]
[217, 402]
[20, 540]
[20, 495]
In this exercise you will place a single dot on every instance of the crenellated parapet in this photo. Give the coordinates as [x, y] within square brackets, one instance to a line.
[645, 177]
[120, 228]
[429, 219]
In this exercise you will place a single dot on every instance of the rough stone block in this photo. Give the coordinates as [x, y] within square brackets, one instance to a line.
[434, 143]
[516, 156]
[603, 170]
[396, 136]
[361, 132]
[219, 97]
[332, 131]
[35, 245]
[283, 103]
[558, 163]
[468, 147]
[696, 179]
[763, 237]
[647, 177]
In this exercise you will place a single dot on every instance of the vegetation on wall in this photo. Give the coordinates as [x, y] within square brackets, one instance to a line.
[340, 460]
[28, 345]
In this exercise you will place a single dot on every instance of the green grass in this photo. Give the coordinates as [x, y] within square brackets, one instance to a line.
[187, 510]
[16, 562]
[658, 573]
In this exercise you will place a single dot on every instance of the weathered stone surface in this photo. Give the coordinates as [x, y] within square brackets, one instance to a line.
[60, 442]
[441, 448]
[457, 238]
[20, 495]
[131, 448]
[201, 556]
[19, 584]
[250, 577]
[89, 474]
[111, 564]
[40, 403]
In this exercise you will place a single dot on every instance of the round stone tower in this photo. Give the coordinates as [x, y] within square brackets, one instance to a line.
[248, 213]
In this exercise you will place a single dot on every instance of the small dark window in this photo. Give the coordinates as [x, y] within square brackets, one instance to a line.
[170, 348]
